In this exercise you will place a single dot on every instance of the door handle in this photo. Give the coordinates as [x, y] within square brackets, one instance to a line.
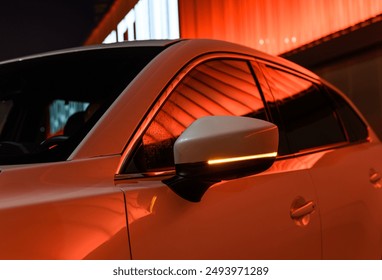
[301, 211]
[375, 178]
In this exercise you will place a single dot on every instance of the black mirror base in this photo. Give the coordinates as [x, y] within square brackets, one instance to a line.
[187, 188]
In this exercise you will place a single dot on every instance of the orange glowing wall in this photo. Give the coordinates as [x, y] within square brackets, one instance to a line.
[273, 26]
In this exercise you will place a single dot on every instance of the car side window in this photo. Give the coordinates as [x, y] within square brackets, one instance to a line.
[217, 87]
[308, 116]
[356, 129]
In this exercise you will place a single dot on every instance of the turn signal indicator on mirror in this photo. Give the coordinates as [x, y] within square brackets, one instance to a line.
[234, 159]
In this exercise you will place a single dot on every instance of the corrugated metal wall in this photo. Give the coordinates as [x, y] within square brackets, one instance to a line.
[273, 26]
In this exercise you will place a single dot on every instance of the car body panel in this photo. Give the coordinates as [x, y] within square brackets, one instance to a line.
[65, 210]
[350, 203]
[224, 224]
[316, 204]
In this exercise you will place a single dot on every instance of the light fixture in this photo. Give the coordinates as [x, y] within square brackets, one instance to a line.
[242, 158]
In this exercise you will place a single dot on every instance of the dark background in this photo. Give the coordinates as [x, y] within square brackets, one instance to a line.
[35, 26]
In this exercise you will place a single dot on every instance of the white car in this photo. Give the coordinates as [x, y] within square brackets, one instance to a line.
[185, 149]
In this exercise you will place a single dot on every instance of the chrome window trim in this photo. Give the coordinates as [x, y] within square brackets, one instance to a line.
[334, 146]
[339, 145]
[318, 149]
[163, 96]
[171, 172]
[292, 71]
[151, 174]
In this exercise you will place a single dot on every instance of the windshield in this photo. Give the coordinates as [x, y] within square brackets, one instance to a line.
[48, 104]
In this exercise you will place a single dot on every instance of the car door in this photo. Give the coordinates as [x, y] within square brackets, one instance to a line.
[272, 215]
[334, 145]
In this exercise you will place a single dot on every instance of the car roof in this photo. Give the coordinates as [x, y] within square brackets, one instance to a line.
[142, 43]
[212, 45]
[205, 45]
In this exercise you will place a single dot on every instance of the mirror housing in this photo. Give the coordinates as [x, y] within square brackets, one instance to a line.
[219, 148]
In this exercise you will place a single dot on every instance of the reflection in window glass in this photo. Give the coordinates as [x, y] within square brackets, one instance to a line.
[42, 88]
[356, 129]
[309, 118]
[5, 108]
[215, 88]
[61, 110]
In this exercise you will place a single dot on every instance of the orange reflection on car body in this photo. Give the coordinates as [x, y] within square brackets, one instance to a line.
[73, 229]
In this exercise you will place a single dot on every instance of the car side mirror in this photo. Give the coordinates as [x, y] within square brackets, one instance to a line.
[219, 148]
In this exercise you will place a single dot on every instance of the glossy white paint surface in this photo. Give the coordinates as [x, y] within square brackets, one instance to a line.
[226, 139]
[246, 218]
[67, 210]
[76, 209]
[350, 204]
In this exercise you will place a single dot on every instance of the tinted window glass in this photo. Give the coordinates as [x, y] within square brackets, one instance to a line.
[59, 113]
[356, 129]
[265, 84]
[213, 88]
[5, 109]
[60, 96]
[309, 119]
